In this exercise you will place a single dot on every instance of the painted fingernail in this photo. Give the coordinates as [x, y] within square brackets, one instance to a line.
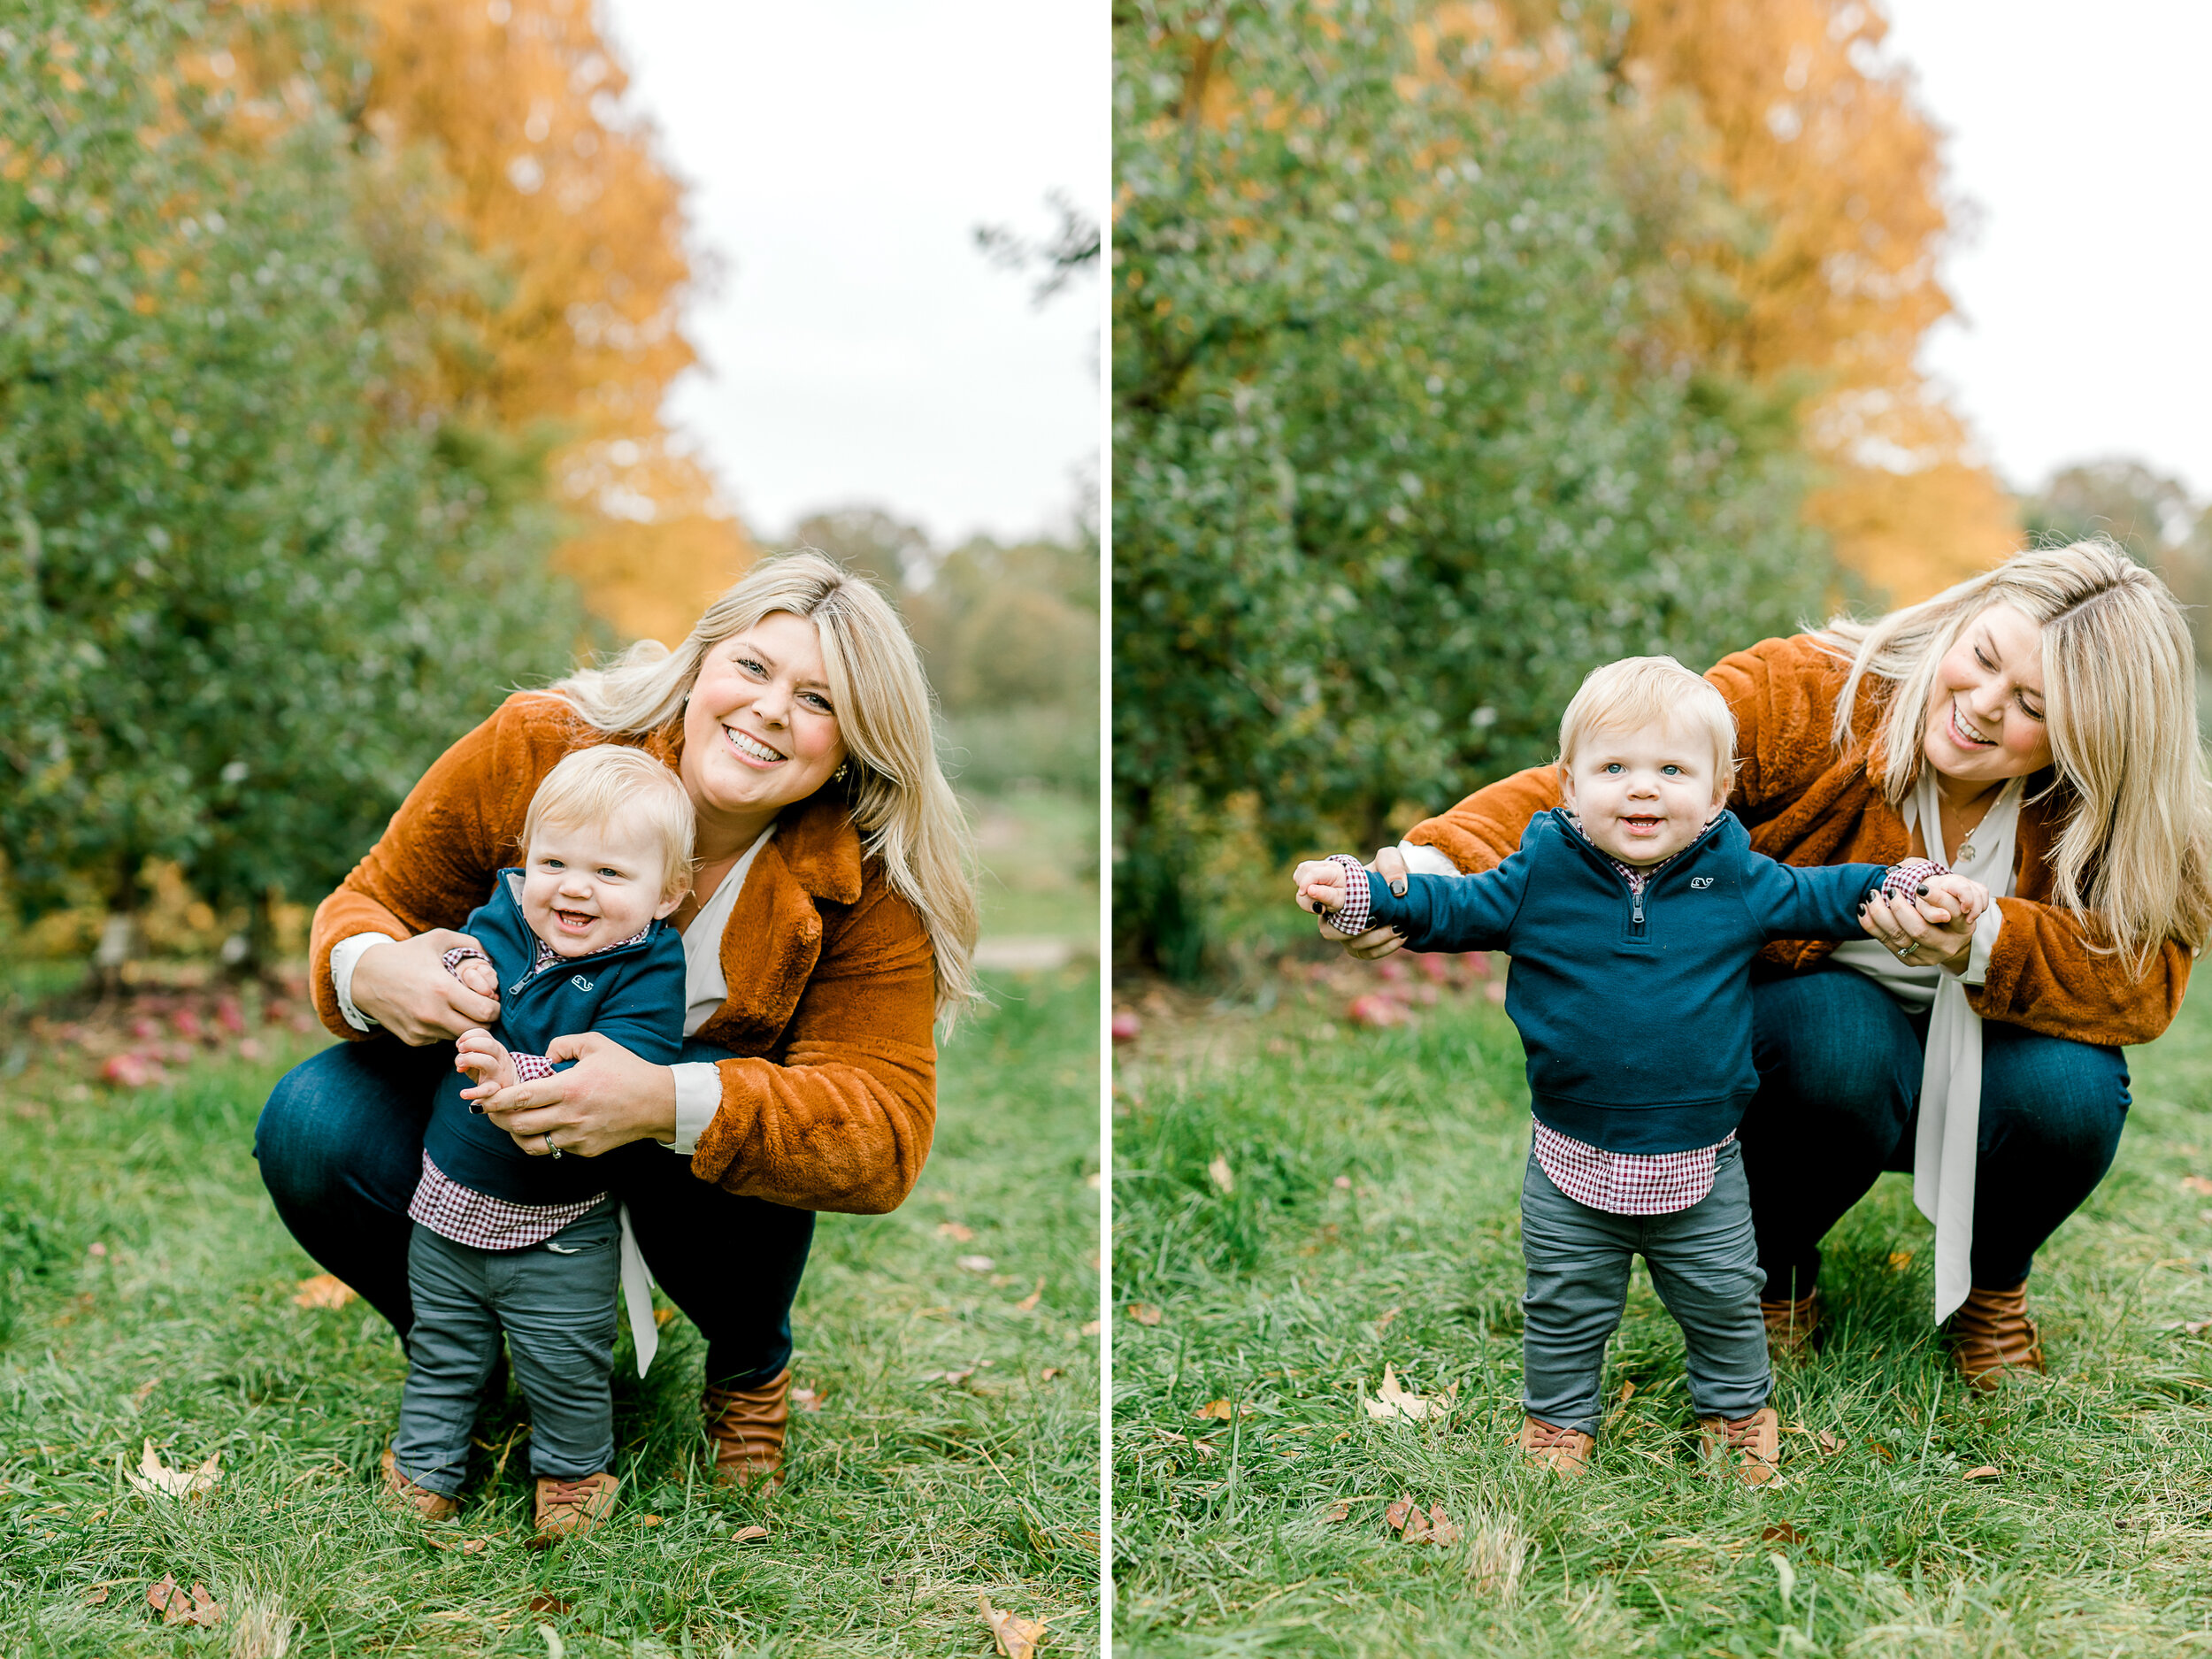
[1922, 889]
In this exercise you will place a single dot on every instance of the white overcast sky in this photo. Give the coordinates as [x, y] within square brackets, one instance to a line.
[860, 350]
[2084, 135]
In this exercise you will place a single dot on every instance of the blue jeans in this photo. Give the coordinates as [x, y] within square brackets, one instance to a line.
[339, 1144]
[1839, 1064]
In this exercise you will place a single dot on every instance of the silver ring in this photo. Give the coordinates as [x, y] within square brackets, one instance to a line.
[1904, 952]
[549, 1147]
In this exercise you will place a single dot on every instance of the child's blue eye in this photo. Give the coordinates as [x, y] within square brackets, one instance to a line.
[1612, 765]
[1671, 771]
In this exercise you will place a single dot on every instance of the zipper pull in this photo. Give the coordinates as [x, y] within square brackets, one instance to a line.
[1636, 903]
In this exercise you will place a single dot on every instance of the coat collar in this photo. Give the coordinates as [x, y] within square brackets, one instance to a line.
[815, 838]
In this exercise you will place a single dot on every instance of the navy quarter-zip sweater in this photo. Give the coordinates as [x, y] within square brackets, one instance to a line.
[1635, 1008]
[634, 994]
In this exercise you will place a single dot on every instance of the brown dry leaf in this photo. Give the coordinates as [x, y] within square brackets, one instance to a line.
[1900, 1260]
[1028, 1304]
[2196, 1327]
[1383, 1320]
[1048, 1373]
[1781, 1532]
[805, 1400]
[953, 1230]
[155, 1478]
[1221, 1175]
[476, 1545]
[747, 1535]
[1986, 1471]
[1830, 1444]
[1628, 1391]
[2196, 1183]
[176, 1608]
[1443, 1530]
[1881, 1451]
[1017, 1637]
[543, 1603]
[325, 1290]
[1394, 1516]
[1221, 1409]
[96, 1595]
[1144, 1313]
[1341, 1510]
[1394, 1400]
[649, 1520]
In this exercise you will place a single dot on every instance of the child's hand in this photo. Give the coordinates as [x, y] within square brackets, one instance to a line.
[483, 1057]
[478, 975]
[1951, 897]
[1324, 887]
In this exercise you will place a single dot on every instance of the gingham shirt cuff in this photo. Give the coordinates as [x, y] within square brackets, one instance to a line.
[1357, 915]
[343, 957]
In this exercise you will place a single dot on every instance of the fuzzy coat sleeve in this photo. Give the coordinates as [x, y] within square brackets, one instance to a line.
[841, 1118]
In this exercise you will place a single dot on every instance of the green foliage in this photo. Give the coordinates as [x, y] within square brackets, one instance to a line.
[242, 602]
[1402, 448]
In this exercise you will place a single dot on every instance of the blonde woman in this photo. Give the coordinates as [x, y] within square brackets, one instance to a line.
[829, 930]
[2034, 729]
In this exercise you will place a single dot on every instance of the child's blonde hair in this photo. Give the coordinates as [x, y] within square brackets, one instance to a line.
[1641, 691]
[593, 788]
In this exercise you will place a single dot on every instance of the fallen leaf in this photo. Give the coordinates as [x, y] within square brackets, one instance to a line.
[974, 1263]
[1144, 1313]
[1220, 1174]
[157, 1480]
[1900, 1260]
[2195, 1327]
[1017, 1637]
[1394, 1400]
[1343, 1183]
[649, 1520]
[948, 1375]
[1341, 1510]
[1881, 1451]
[747, 1535]
[1028, 1304]
[547, 1604]
[1443, 1530]
[176, 1608]
[805, 1400]
[1984, 1472]
[95, 1595]
[1830, 1444]
[662, 1315]
[1048, 1373]
[2196, 1183]
[1221, 1409]
[1628, 1391]
[1383, 1320]
[1090, 1328]
[325, 1290]
[953, 1230]
[476, 1545]
[1781, 1532]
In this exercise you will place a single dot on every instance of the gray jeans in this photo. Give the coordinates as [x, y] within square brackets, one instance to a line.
[557, 1307]
[1704, 1263]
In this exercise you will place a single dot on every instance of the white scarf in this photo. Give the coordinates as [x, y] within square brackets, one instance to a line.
[1951, 1072]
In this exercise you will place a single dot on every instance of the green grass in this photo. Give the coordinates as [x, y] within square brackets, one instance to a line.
[1371, 1220]
[907, 1494]
[1039, 848]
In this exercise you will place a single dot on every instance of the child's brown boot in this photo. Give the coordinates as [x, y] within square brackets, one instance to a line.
[1563, 1451]
[432, 1506]
[1790, 1325]
[1755, 1440]
[569, 1508]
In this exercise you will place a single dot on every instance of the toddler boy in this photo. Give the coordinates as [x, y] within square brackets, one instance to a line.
[1631, 915]
[575, 941]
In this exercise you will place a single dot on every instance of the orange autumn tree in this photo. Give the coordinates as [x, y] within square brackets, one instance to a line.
[573, 327]
[1828, 279]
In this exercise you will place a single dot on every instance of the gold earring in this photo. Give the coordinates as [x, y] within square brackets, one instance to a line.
[839, 775]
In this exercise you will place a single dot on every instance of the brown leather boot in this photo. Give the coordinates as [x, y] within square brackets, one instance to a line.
[1755, 1440]
[1991, 1333]
[747, 1425]
[569, 1508]
[1790, 1325]
[1563, 1451]
[432, 1506]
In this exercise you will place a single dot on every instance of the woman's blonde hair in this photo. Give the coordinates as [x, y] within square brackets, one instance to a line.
[608, 784]
[2134, 856]
[1637, 692]
[899, 801]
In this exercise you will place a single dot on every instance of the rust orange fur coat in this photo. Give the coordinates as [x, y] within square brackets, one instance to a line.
[832, 983]
[1807, 802]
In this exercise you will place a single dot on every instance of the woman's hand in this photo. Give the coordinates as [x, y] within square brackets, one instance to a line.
[1911, 938]
[1390, 864]
[405, 989]
[608, 1099]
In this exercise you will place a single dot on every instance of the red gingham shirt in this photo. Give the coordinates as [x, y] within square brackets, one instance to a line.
[1617, 1183]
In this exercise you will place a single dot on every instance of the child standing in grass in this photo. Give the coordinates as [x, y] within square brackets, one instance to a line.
[526, 1241]
[1631, 915]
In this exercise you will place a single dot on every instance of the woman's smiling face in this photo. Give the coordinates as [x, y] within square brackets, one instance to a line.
[759, 730]
[1985, 710]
